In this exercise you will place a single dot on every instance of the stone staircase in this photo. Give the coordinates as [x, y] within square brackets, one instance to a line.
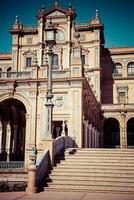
[94, 170]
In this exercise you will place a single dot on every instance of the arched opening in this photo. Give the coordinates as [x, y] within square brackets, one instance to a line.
[9, 72]
[55, 61]
[111, 133]
[13, 121]
[130, 132]
[117, 69]
[0, 72]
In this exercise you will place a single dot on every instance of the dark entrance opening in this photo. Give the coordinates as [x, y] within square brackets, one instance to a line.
[111, 133]
[130, 132]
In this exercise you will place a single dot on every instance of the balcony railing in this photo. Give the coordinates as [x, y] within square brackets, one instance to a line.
[113, 107]
[60, 74]
[30, 26]
[10, 75]
[11, 164]
[33, 74]
[82, 23]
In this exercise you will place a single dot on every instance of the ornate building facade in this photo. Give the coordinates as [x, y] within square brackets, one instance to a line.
[92, 86]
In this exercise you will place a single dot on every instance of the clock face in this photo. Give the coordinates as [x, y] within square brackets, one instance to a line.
[60, 35]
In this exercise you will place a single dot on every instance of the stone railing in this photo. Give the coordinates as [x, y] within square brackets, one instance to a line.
[11, 165]
[43, 168]
[117, 107]
[69, 142]
[62, 143]
[30, 26]
[59, 144]
[32, 73]
[61, 74]
[15, 75]
[82, 23]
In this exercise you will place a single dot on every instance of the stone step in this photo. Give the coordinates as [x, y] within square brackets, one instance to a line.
[100, 150]
[101, 169]
[92, 188]
[92, 174]
[96, 162]
[86, 167]
[90, 158]
[93, 163]
[93, 178]
[91, 183]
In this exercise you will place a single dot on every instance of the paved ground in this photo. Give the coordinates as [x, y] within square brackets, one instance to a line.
[64, 196]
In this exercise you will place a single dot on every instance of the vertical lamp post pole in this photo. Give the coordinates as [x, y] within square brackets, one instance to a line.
[50, 41]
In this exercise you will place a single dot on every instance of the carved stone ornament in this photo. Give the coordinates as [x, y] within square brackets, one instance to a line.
[58, 101]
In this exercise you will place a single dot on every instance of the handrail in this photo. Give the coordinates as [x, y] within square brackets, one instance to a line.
[43, 166]
[69, 142]
[59, 144]
[62, 143]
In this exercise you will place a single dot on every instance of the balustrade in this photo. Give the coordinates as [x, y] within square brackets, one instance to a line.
[10, 75]
[11, 164]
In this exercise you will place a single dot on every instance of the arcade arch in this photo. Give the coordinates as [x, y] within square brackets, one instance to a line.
[13, 126]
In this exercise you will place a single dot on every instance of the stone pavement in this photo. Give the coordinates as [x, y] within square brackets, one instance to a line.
[64, 196]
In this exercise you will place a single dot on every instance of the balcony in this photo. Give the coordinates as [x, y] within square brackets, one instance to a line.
[61, 74]
[42, 73]
[15, 75]
[117, 107]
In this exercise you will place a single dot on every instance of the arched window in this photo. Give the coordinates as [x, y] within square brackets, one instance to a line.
[0, 72]
[130, 69]
[117, 69]
[55, 61]
[9, 72]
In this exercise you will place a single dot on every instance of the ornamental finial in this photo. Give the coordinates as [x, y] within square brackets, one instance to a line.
[97, 14]
[56, 3]
[17, 21]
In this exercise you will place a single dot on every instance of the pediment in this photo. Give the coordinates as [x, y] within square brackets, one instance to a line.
[56, 13]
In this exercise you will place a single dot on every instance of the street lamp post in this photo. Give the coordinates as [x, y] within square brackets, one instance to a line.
[50, 33]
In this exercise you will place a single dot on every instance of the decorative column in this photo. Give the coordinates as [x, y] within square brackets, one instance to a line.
[15, 139]
[93, 137]
[8, 141]
[123, 131]
[90, 135]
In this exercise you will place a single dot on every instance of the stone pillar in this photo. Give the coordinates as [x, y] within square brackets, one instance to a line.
[4, 136]
[123, 131]
[15, 138]
[97, 145]
[31, 189]
[93, 137]
[0, 137]
[90, 135]
[8, 141]
[49, 144]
